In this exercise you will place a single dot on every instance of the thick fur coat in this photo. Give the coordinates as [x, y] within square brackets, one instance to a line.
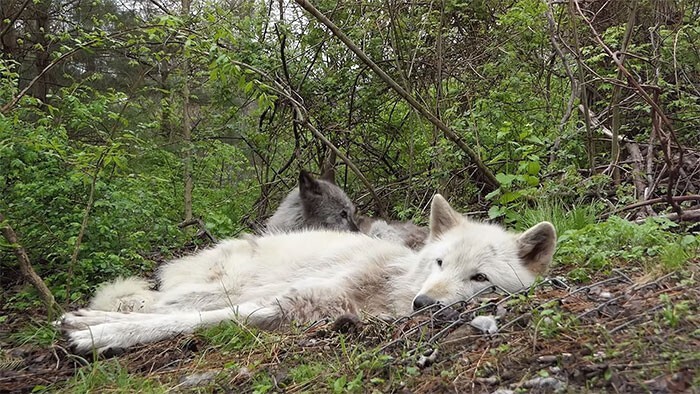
[272, 280]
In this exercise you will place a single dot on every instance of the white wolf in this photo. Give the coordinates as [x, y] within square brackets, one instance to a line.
[273, 280]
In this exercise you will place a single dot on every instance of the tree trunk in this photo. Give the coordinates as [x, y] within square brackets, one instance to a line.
[186, 122]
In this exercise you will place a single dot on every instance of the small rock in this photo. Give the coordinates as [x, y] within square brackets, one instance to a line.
[547, 359]
[487, 324]
[501, 310]
[489, 381]
[244, 373]
[427, 359]
[548, 383]
[503, 391]
[308, 342]
[198, 379]
[605, 295]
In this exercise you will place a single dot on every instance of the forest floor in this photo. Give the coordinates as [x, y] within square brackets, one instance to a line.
[623, 331]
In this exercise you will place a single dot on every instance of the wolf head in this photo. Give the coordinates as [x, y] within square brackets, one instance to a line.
[325, 205]
[466, 257]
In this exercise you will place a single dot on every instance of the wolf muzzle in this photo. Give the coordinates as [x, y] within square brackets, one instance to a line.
[421, 301]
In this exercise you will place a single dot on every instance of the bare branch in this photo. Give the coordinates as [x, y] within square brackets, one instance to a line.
[30, 275]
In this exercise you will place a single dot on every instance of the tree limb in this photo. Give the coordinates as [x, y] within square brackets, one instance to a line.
[27, 270]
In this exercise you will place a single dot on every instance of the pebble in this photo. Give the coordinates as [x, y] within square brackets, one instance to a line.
[487, 324]
[547, 359]
[198, 379]
[489, 381]
[545, 383]
[427, 359]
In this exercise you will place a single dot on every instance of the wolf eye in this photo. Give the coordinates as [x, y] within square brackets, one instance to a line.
[439, 262]
[344, 214]
[479, 278]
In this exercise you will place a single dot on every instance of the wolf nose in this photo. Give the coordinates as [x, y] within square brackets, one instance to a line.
[421, 301]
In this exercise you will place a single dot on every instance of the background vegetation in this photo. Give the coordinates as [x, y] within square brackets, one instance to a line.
[121, 120]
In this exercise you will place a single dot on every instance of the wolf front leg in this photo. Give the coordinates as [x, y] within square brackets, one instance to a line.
[116, 330]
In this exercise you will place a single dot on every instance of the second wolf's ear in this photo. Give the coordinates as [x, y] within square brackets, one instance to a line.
[536, 247]
[329, 175]
[442, 217]
[308, 185]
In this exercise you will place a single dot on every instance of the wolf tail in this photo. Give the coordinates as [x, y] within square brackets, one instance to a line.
[124, 295]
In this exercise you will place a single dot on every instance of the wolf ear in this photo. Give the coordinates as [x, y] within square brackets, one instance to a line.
[329, 175]
[442, 217]
[308, 185]
[536, 247]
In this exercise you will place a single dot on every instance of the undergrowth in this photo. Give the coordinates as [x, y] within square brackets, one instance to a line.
[109, 376]
[652, 246]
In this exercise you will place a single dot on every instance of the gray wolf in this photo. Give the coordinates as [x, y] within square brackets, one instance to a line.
[315, 204]
[276, 279]
[408, 233]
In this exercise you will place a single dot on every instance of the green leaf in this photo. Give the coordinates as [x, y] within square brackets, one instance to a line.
[495, 211]
[505, 179]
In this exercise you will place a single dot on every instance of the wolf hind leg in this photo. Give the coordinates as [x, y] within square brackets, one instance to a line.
[124, 295]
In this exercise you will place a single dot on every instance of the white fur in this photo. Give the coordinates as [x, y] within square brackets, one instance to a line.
[124, 295]
[272, 280]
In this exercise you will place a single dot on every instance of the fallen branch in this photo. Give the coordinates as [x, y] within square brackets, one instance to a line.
[52, 307]
[677, 199]
[685, 216]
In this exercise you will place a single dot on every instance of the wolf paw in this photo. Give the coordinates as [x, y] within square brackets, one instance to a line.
[83, 318]
[84, 341]
[100, 337]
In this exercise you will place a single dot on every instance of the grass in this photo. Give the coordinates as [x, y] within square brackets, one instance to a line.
[109, 376]
[36, 334]
[563, 218]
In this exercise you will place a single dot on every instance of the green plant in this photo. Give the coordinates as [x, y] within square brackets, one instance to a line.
[37, 334]
[673, 312]
[262, 383]
[307, 372]
[231, 336]
[109, 376]
[562, 217]
[550, 321]
[601, 247]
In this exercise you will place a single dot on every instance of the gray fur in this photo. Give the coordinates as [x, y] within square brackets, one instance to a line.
[407, 233]
[315, 204]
